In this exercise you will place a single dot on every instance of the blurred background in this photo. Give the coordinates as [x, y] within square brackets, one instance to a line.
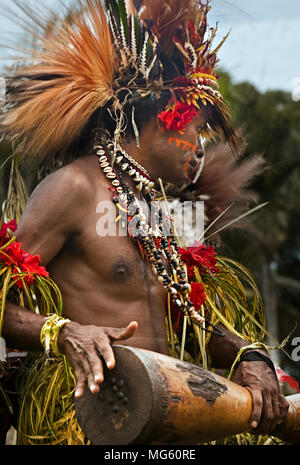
[260, 78]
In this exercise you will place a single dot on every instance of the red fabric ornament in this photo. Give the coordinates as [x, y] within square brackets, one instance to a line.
[283, 377]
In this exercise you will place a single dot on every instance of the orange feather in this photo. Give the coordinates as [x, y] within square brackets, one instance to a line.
[77, 63]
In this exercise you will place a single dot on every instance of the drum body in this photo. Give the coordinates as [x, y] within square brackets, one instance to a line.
[149, 399]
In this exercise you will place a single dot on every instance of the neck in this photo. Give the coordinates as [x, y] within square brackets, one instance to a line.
[139, 154]
[142, 152]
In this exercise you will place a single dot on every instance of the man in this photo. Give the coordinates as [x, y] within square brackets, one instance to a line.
[135, 95]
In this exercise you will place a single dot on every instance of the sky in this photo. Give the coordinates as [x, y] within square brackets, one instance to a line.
[263, 47]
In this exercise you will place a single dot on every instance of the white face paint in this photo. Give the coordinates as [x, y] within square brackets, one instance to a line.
[197, 176]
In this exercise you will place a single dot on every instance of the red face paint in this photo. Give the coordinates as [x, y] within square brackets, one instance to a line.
[183, 144]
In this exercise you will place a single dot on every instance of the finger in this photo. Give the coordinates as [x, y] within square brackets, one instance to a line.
[80, 384]
[106, 352]
[267, 414]
[117, 334]
[96, 366]
[284, 408]
[93, 387]
[257, 404]
[276, 413]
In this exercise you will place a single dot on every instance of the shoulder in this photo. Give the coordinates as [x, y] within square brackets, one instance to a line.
[73, 178]
[63, 196]
[74, 182]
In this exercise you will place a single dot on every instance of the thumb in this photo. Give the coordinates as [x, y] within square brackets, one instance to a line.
[117, 334]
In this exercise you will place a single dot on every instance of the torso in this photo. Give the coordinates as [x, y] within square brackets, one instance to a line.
[104, 280]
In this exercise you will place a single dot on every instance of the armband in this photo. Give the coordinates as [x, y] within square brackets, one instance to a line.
[255, 356]
[50, 332]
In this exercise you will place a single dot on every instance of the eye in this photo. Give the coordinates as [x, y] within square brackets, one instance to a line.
[201, 128]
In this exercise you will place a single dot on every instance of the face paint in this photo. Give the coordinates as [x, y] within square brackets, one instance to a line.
[183, 144]
[186, 165]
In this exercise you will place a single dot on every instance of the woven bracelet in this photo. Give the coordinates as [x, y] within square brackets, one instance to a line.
[50, 332]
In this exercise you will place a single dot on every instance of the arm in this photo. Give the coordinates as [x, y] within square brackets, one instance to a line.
[269, 405]
[50, 217]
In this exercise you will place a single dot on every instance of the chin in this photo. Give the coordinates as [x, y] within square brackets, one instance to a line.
[178, 177]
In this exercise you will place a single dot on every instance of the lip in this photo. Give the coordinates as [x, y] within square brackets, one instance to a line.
[193, 170]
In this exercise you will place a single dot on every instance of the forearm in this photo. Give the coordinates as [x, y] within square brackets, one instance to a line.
[223, 350]
[22, 328]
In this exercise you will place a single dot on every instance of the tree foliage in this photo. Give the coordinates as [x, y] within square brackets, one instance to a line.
[270, 123]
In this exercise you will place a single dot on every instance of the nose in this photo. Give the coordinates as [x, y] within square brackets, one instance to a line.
[199, 148]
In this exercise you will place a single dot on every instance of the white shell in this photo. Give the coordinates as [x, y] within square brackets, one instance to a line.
[104, 164]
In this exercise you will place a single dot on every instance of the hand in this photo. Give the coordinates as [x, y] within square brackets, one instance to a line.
[87, 347]
[269, 405]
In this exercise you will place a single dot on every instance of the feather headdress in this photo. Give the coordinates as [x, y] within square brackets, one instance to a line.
[105, 55]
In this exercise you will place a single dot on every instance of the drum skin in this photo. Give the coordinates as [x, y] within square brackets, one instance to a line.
[154, 399]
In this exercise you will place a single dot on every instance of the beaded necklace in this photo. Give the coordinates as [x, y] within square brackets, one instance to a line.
[115, 162]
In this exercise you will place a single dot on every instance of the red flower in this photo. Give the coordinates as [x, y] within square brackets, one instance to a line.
[179, 117]
[4, 237]
[197, 295]
[23, 262]
[201, 256]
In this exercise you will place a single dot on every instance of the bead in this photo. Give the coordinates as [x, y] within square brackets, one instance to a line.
[103, 159]
[124, 166]
[104, 164]
[116, 183]
[111, 175]
[119, 159]
[101, 152]
[107, 169]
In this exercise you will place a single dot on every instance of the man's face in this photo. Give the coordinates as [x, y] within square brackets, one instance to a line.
[176, 156]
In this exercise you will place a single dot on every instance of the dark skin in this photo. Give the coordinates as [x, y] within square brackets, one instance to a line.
[110, 293]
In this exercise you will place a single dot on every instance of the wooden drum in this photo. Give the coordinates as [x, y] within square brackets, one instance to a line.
[149, 399]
